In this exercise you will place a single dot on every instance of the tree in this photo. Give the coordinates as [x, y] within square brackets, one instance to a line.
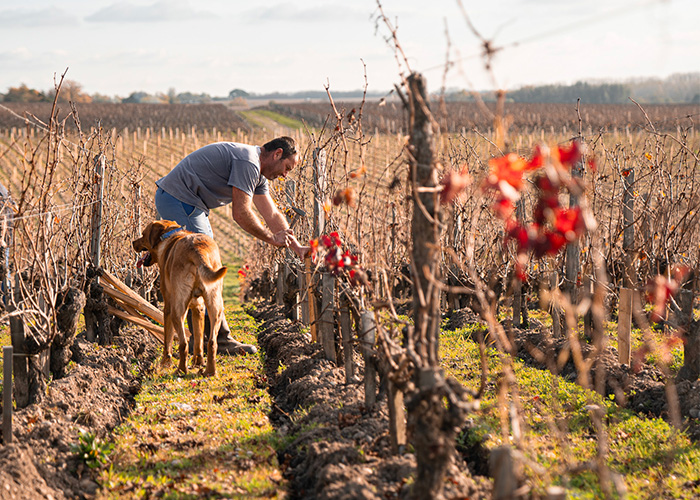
[70, 91]
[238, 93]
[136, 97]
[24, 94]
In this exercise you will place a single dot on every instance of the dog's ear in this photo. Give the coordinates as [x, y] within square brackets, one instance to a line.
[153, 233]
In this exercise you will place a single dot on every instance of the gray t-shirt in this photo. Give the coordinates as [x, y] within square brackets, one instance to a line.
[204, 178]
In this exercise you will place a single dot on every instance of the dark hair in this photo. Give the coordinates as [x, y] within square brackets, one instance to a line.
[286, 144]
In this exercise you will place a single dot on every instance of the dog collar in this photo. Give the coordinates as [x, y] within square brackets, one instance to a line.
[170, 233]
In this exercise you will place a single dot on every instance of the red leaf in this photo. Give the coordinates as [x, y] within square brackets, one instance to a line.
[503, 208]
[569, 222]
[548, 243]
[571, 155]
[519, 233]
[346, 196]
[508, 168]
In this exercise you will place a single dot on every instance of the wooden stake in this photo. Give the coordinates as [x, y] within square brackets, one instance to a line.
[397, 419]
[7, 394]
[134, 304]
[368, 332]
[327, 316]
[346, 333]
[137, 301]
[624, 326]
[310, 298]
[155, 330]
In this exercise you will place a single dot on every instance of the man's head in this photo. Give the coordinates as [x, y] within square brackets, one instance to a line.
[278, 157]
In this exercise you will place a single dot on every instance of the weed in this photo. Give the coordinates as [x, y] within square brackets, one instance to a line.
[92, 451]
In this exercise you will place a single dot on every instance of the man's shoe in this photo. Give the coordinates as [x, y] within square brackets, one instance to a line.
[227, 345]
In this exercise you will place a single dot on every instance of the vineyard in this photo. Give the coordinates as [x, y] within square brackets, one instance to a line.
[535, 337]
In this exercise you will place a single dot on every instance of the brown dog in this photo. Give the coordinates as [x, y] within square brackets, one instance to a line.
[191, 277]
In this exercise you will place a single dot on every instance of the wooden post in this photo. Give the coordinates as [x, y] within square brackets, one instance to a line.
[137, 210]
[44, 357]
[588, 316]
[397, 419]
[97, 211]
[290, 189]
[573, 257]
[505, 478]
[556, 310]
[346, 333]
[7, 394]
[628, 279]
[517, 283]
[393, 236]
[368, 331]
[624, 326]
[311, 299]
[326, 318]
[291, 293]
[516, 301]
[19, 361]
[302, 280]
[279, 295]
[319, 179]
[691, 338]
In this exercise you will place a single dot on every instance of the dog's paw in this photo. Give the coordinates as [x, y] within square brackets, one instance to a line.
[166, 362]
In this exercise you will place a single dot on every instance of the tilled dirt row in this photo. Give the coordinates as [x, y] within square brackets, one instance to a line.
[94, 397]
[337, 448]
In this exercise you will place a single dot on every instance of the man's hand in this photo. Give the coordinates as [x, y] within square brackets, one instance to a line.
[286, 238]
[281, 238]
[298, 249]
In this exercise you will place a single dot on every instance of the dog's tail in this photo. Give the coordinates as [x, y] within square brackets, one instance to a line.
[210, 275]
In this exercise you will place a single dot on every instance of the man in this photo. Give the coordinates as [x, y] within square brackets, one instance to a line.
[228, 172]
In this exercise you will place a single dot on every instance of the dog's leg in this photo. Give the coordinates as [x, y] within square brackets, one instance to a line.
[168, 331]
[197, 334]
[179, 325]
[216, 314]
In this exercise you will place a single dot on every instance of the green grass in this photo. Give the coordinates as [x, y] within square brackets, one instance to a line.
[260, 118]
[656, 460]
[191, 436]
[672, 353]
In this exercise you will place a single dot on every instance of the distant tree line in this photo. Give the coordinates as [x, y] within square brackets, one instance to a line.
[676, 89]
[73, 91]
[606, 93]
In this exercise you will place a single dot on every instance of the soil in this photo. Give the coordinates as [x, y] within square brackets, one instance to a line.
[94, 397]
[340, 449]
[336, 447]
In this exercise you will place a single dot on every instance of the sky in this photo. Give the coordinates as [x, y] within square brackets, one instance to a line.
[114, 47]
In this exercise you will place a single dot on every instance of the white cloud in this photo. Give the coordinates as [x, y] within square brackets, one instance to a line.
[162, 11]
[38, 18]
[292, 13]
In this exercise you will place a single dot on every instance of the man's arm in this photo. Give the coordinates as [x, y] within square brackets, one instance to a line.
[242, 212]
[272, 216]
[277, 222]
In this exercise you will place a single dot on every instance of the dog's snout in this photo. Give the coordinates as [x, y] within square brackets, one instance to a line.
[138, 245]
